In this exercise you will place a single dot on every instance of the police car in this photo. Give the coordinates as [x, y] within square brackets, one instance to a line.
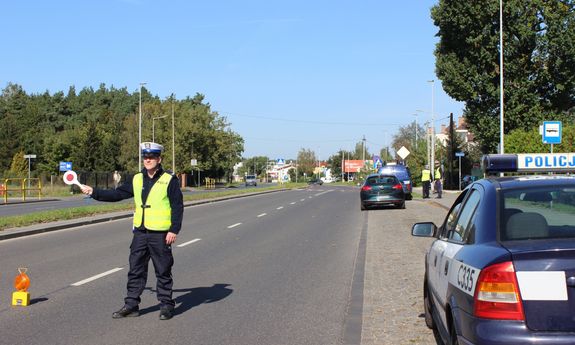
[502, 267]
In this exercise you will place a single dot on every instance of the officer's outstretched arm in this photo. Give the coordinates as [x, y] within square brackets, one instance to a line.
[87, 189]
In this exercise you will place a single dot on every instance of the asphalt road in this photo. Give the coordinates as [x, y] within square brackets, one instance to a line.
[270, 269]
[15, 206]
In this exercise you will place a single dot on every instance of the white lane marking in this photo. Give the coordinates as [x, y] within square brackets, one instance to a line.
[301, 199]
[327, 191]
[97, 276]
[309, 197]
[261, 215]
[279, 208]
[189, 242]
[234, 225]
[292, 203]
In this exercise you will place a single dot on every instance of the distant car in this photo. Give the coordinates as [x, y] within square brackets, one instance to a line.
[467, 180]
[381, 190]
[315, 181]
[251, 180]
[501, 269]
[402, 173]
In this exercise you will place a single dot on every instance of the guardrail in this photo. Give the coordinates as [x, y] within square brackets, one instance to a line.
[23, 186]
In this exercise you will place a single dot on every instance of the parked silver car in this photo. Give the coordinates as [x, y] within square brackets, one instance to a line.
[251, 180]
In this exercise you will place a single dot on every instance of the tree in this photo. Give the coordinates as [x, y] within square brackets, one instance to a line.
[19, 166]
[360, 151]
[256, 165]
[520, 141]
[539, 56]
[306, 161]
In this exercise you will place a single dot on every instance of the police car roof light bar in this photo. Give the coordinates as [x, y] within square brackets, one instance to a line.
[529, 162]
[499, 163]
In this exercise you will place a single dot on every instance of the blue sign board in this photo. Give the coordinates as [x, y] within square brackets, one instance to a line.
[280, 161]
[552, 132]
[65, 166]
[377, 163]
[459, 154]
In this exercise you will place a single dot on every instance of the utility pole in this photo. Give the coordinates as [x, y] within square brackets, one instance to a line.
[363, 140]
[140, 131]
[432, 163]
[173, 138]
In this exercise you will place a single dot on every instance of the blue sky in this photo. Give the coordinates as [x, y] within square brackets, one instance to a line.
[287, 75]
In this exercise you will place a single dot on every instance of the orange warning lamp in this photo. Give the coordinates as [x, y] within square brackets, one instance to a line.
[21, 297]
[22, 281]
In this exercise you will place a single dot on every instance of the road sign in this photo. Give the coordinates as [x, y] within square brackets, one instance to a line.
[65, 166]
[280, 161]
[459, 154]
[403, 152]
[29, 156]
[552, 132]
[377, 162]
[194, 162]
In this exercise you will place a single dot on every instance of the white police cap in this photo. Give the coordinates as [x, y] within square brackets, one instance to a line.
[149, 147]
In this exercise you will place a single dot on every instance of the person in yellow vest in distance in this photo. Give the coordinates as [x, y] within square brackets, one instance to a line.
[426, 181]
[159, 210]
[438, 175]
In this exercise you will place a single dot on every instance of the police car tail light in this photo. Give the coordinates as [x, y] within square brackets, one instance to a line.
[398, 186]
[366, 188]
[497, 293]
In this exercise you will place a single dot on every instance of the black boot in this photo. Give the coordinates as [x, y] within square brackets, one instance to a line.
[126, 312]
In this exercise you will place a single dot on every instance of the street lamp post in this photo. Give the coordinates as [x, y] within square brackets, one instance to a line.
[415, 131]
[427, 134]
[173, 139]
[154, 126]
[501, 127]
[432, 163]
[140, 130]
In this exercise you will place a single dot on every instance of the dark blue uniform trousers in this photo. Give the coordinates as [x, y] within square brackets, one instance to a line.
[146, 245]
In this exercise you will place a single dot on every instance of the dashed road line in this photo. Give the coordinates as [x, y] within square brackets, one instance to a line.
[97, 276]
[234, 225]
[292, 203]
[279, 208]
[189, 242]
[261, 215]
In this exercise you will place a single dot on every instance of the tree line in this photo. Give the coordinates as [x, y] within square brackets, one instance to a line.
[97, 130]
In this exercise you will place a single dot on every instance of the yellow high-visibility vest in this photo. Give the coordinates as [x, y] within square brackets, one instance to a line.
[425, 175]
[157, 213]
[437, 174]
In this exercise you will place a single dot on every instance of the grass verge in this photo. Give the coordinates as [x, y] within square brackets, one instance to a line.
[100, 208]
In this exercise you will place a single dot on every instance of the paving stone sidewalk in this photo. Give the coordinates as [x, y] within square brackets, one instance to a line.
[393, 297]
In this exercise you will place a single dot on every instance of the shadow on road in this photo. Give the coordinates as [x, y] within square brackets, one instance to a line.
[194, 297]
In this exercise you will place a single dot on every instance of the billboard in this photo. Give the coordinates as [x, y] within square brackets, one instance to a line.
[353, 166]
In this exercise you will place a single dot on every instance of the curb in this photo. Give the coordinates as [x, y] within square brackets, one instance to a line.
[106, 217]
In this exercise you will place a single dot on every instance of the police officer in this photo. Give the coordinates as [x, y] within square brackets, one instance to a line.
[438, 175]
[426, 181]
[157, 221]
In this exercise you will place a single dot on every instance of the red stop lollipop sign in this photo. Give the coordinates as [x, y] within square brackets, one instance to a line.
[71, 178]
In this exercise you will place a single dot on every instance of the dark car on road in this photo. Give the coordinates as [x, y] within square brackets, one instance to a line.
[381, 190]
[315, 181]
[402, 173]
[501, 269]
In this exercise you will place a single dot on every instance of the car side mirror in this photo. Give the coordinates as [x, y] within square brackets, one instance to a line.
[426, 229]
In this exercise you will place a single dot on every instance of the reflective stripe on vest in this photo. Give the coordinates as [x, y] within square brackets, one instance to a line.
[425, 175]
[157, 213]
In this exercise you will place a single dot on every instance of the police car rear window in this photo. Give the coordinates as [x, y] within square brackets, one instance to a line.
[543, 213]
[382, 180]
